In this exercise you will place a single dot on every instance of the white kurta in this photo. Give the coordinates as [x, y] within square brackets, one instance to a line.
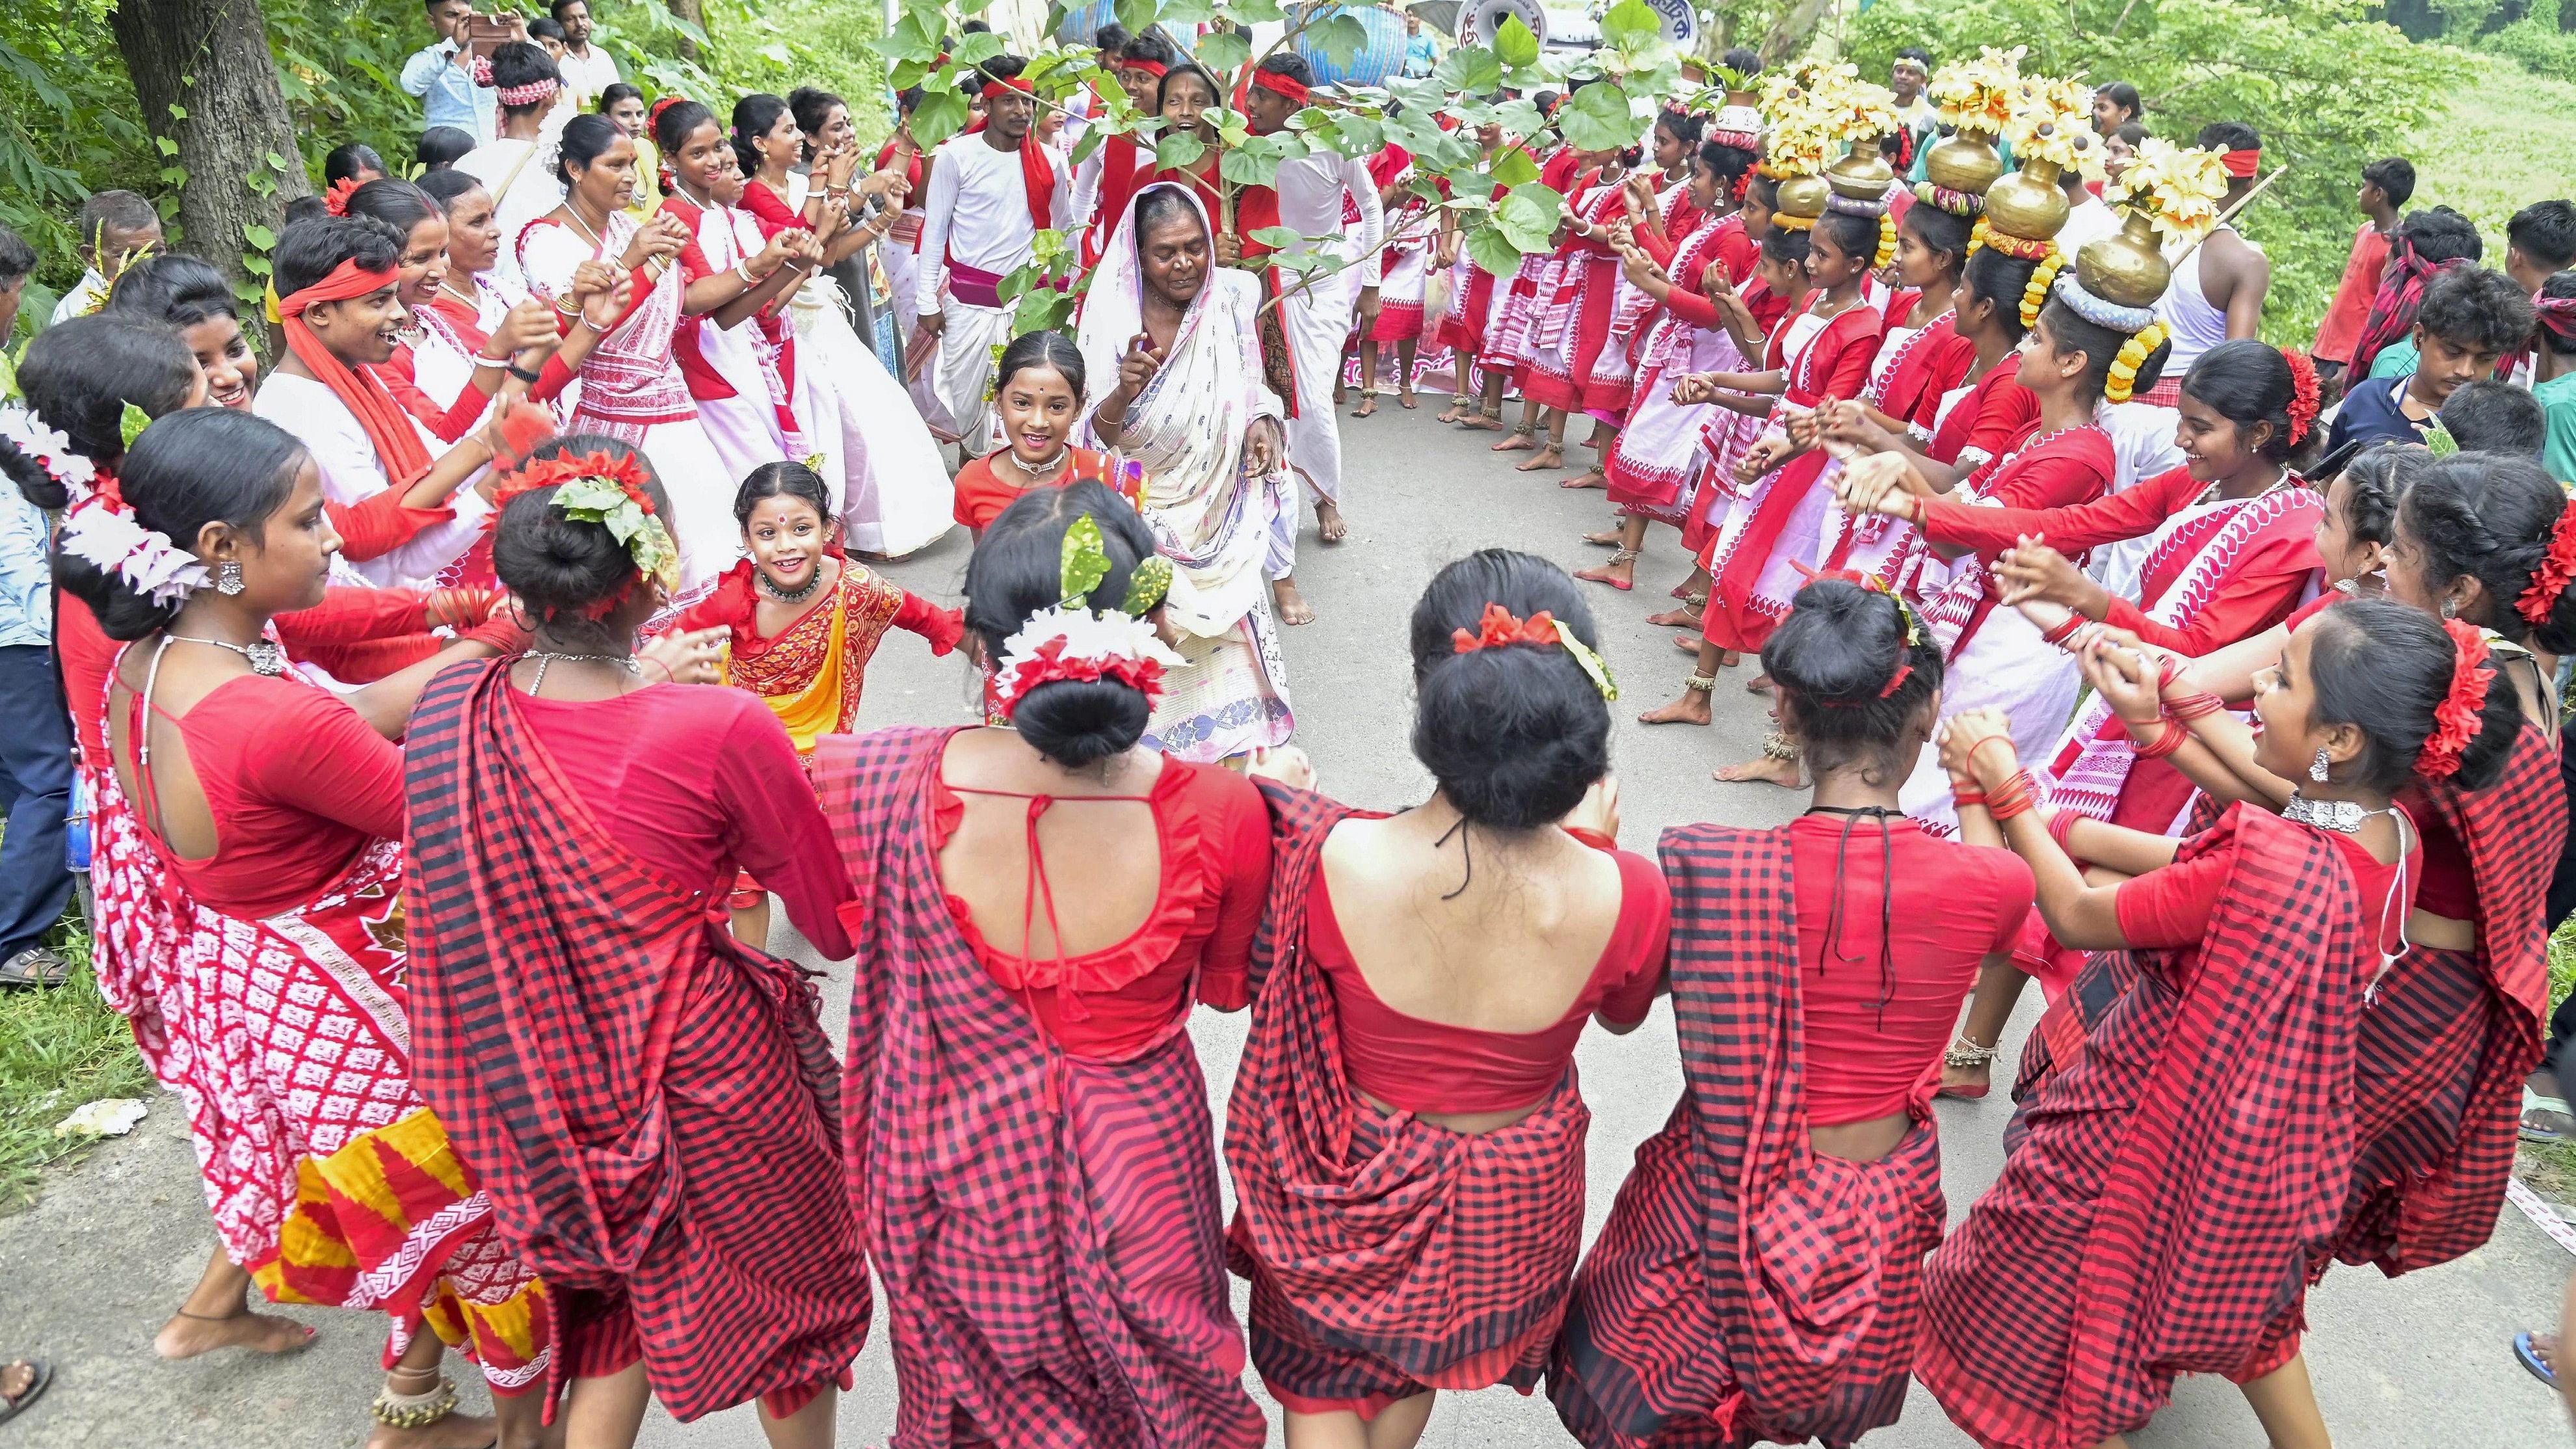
[977, 215]
[1318, 318]
[352, 474]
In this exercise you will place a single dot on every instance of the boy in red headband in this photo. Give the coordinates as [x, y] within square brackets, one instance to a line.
[336, 301]
[992, 190]
[2217, 290]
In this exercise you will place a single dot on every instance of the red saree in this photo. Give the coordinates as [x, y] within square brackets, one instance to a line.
[1046, 1224]
[2448, 1035]
[2168, 1183]
[1746, 1287]
[650, 1104]
[1387, 1255]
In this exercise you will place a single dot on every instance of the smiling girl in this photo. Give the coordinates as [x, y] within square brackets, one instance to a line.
[189, 294]
[1038, 393]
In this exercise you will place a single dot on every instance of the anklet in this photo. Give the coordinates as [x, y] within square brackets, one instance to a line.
[1704, 683]
[415, 1411]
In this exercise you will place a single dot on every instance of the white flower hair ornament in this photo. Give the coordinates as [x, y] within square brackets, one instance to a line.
[1070, 641]
[106, 534]
[49, 447]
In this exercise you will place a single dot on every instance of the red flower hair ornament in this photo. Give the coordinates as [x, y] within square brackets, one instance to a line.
[2550, 580]
[2457, 717]
[2304, 398]
[1498, 629]
[609, 490]
[336, 200]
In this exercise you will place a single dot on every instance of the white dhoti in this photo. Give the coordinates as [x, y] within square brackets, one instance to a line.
[964, 368]
[1318, 322]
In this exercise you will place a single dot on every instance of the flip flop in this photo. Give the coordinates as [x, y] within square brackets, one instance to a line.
[2527, 1353]
[44, 1374]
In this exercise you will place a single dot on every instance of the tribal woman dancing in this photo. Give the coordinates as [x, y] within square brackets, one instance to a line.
[1816, 971]
[1406, 1135]
[1040, 904]
[248, 909]
[649, 1103]
[2232, 972]
[1191, 409]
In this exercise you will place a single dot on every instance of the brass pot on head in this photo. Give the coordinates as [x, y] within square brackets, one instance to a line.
[2028, 203]
[1965, 161]
[2125, 269]
[1804, 196]
[1860, 176]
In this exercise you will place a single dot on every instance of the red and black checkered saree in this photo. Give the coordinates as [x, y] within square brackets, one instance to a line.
[650, 1105]
[2184, 1146]
[2449, 1035]
[1746, 1287]
[1388, 1256]
[1046, 1224]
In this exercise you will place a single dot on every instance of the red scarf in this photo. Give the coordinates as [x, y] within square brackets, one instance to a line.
[389, 429]
[1037, 170]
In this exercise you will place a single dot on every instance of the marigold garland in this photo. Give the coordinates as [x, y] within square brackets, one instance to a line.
[1886, 242]
[2133, 355]
[2034, 296]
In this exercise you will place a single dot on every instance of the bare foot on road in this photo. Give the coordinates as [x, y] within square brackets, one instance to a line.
[1292, 605]
[186, 1336]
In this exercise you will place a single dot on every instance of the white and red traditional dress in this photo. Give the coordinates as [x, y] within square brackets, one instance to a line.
[1575, 365]
[1656, 463]
[1770, 530]
[743, 377]
[1404, 265]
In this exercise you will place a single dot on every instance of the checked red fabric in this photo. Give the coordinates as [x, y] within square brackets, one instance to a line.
[1746, 1287]
[1386, 1255]
[650, 1105]
[1046, 1225]
[2451, 1034]
[2164, 1188]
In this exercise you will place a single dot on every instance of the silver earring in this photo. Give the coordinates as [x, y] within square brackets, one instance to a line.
[228, 579]
[2317, 768]
[2450, 608]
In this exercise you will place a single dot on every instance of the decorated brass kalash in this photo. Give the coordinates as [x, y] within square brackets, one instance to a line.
[1794, 148]
[1975, 99]
[1817, 111]
[2169, 192]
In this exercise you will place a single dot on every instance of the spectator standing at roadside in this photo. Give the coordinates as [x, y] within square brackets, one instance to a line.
[588, 70]
[2385, 186]
[442, 75]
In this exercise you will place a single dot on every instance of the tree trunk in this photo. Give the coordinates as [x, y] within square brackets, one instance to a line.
[694, 12]
[210, 59]
[1792, 31]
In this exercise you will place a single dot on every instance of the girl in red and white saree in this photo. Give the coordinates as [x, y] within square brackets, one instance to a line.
[1037, 907]
[650, 1102]
[1406, 1133]
[2232, 973]
[1760, 1274]
[247, 869]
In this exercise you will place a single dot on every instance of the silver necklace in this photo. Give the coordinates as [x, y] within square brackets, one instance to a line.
[545, 657]
[2344, 817]
[788, 596]
[266, 657]
[1040, 470]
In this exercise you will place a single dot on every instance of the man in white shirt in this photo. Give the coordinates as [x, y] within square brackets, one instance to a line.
[991, 193]
[587, 69]
[2087, 218]
[1319, 317]
[117, 229]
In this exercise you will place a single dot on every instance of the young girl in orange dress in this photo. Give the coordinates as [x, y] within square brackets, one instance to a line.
[1038, 392]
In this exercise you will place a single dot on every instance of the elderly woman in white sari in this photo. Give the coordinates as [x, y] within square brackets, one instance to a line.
[1191, 408]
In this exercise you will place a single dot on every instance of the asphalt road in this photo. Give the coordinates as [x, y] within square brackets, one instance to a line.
[90, 1273]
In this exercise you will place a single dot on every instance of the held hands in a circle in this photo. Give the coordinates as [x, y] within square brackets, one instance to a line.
[2033, 570]
[2129, 679]
[1960, 737]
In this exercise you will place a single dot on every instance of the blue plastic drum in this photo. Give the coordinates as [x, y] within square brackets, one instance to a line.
[1381, 58]
[1080, 23]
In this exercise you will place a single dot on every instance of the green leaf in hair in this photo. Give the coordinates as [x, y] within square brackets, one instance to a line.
[1147, 587]
[1086, 560]
[131, 423]
[2438, 438]
[1592, 663]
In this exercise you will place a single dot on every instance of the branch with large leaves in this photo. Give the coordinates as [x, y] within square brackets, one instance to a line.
[1495, 204]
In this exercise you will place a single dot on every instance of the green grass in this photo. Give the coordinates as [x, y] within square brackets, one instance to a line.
[2504, 145]
[58, 1049]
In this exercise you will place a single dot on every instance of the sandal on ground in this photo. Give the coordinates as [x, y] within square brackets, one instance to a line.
[35, 966]
[2527, 1353]
[39, 1374]
[1964, 1054]
[2546, 1119]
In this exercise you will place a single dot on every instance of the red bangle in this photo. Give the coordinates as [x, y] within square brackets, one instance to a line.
[2170, 736]
[2198, 704]
[2061, 825]
[1963, 796]
[2016, 797]
[2059, 635]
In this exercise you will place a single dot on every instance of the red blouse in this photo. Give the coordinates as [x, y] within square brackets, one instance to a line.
[1995, 419]
[982, 495]
[1874, 1034]
[1730, 248]
[298, 786]
[1836, 364]
[697, 781]
[1213, 834]
[2170, 907]
[1415, 1065]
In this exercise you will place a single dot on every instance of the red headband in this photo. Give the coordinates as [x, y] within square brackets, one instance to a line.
[2549, 581]
[1280, 85]
[996, 89]
[2557, 316]
[2241, 163]
[346, 281]
[2304, 399]
[2456, 719]
[664, 104]
[1154, 68]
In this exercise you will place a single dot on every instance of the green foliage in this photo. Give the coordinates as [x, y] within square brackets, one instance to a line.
[2536, 43]
[69, 124]
[59, 1049]
[2504, 145]
[2328, 87]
